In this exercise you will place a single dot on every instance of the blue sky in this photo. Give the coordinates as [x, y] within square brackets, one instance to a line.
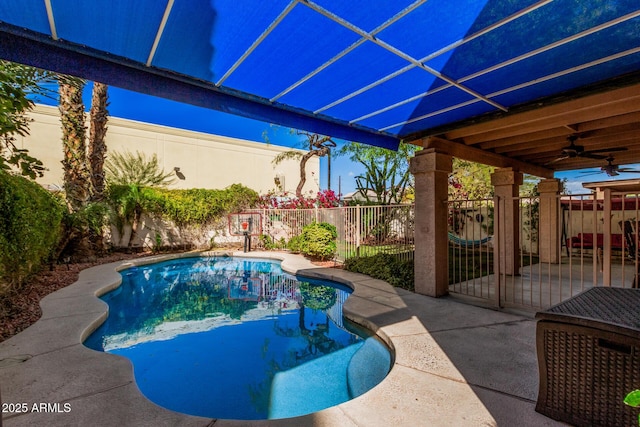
[576, 178]
[145, 108]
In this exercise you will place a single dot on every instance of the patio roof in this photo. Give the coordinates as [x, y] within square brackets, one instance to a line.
[472, 73]
[622, 186]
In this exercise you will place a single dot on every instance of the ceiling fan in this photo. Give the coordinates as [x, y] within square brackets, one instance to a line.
[612, 170]
[572, 151]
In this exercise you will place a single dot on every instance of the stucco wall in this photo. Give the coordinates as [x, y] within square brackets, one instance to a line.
[205, 161]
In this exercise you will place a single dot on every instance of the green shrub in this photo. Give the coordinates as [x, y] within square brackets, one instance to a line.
[94, 216]
[183, 207]
[318, 240]
[269, 243]
[294, 243]
[330, 228]
[386, 267]
[30, 228]
[197, 206]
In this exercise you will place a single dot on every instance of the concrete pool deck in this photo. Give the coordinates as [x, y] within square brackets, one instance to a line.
[455, 364]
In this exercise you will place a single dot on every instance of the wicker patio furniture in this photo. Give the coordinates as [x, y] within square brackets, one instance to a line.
[589, 358]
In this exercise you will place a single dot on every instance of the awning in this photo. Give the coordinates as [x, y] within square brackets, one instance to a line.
[375, 72]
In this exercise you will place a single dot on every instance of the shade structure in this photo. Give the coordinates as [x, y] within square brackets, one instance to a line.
[370, 71]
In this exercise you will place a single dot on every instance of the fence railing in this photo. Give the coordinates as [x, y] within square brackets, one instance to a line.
[362, 230]
[581, 243]
[471, 234]
[564, 246]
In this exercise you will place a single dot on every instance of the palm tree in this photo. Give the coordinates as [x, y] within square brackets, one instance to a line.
[97, 146]
[317, 145]
[126, 174]
[127, 168]
[77, 182]
[98, 117]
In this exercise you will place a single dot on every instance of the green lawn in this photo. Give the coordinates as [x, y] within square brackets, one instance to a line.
[348, 251]
[466, 264]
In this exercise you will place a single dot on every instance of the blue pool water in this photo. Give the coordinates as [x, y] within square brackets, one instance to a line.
[236, 338]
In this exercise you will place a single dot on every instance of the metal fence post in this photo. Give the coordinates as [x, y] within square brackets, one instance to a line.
[358, 225]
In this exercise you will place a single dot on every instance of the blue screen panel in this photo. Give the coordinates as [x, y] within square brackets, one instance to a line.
[236, 26]
[391, 117]
[551, 23]
[573, 80]
[496, 10]
[430, 104]
[438, 101]
[583, 51]
[125, 29]
[405, 86]
[30, 14]
[461, 113]
[362, 13]
[185, 45]
[366, 64]
[300, 44]
[432, 26]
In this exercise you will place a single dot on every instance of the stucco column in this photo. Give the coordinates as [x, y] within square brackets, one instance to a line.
[431, 170]
[549, 227]
[506, 183]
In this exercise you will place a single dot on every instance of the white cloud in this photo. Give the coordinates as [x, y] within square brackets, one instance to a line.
[575, 187]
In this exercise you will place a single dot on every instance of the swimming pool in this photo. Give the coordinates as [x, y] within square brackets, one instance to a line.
[238, 338]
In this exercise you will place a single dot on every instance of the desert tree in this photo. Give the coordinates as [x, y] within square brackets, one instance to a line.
[315, 145]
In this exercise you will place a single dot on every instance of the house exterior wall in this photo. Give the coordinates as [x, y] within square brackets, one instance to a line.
[205, 161]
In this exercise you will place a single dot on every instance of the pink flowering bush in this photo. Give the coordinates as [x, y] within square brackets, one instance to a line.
[324, 199]
[327, 199]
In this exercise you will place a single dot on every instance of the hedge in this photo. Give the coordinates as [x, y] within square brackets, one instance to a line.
[197, 206]
[387, 267]
[30, 229]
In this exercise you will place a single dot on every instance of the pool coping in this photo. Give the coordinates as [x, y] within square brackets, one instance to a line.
[48, 364]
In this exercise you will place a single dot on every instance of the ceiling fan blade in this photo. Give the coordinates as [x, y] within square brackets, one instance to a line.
[559, 159]
[590, 155]
[627, 170]
[590, 173]
[604, 150]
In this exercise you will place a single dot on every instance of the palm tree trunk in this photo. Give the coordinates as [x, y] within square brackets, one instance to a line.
[76, 174]
[77, 182]
[97, 132]
[98, 116]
